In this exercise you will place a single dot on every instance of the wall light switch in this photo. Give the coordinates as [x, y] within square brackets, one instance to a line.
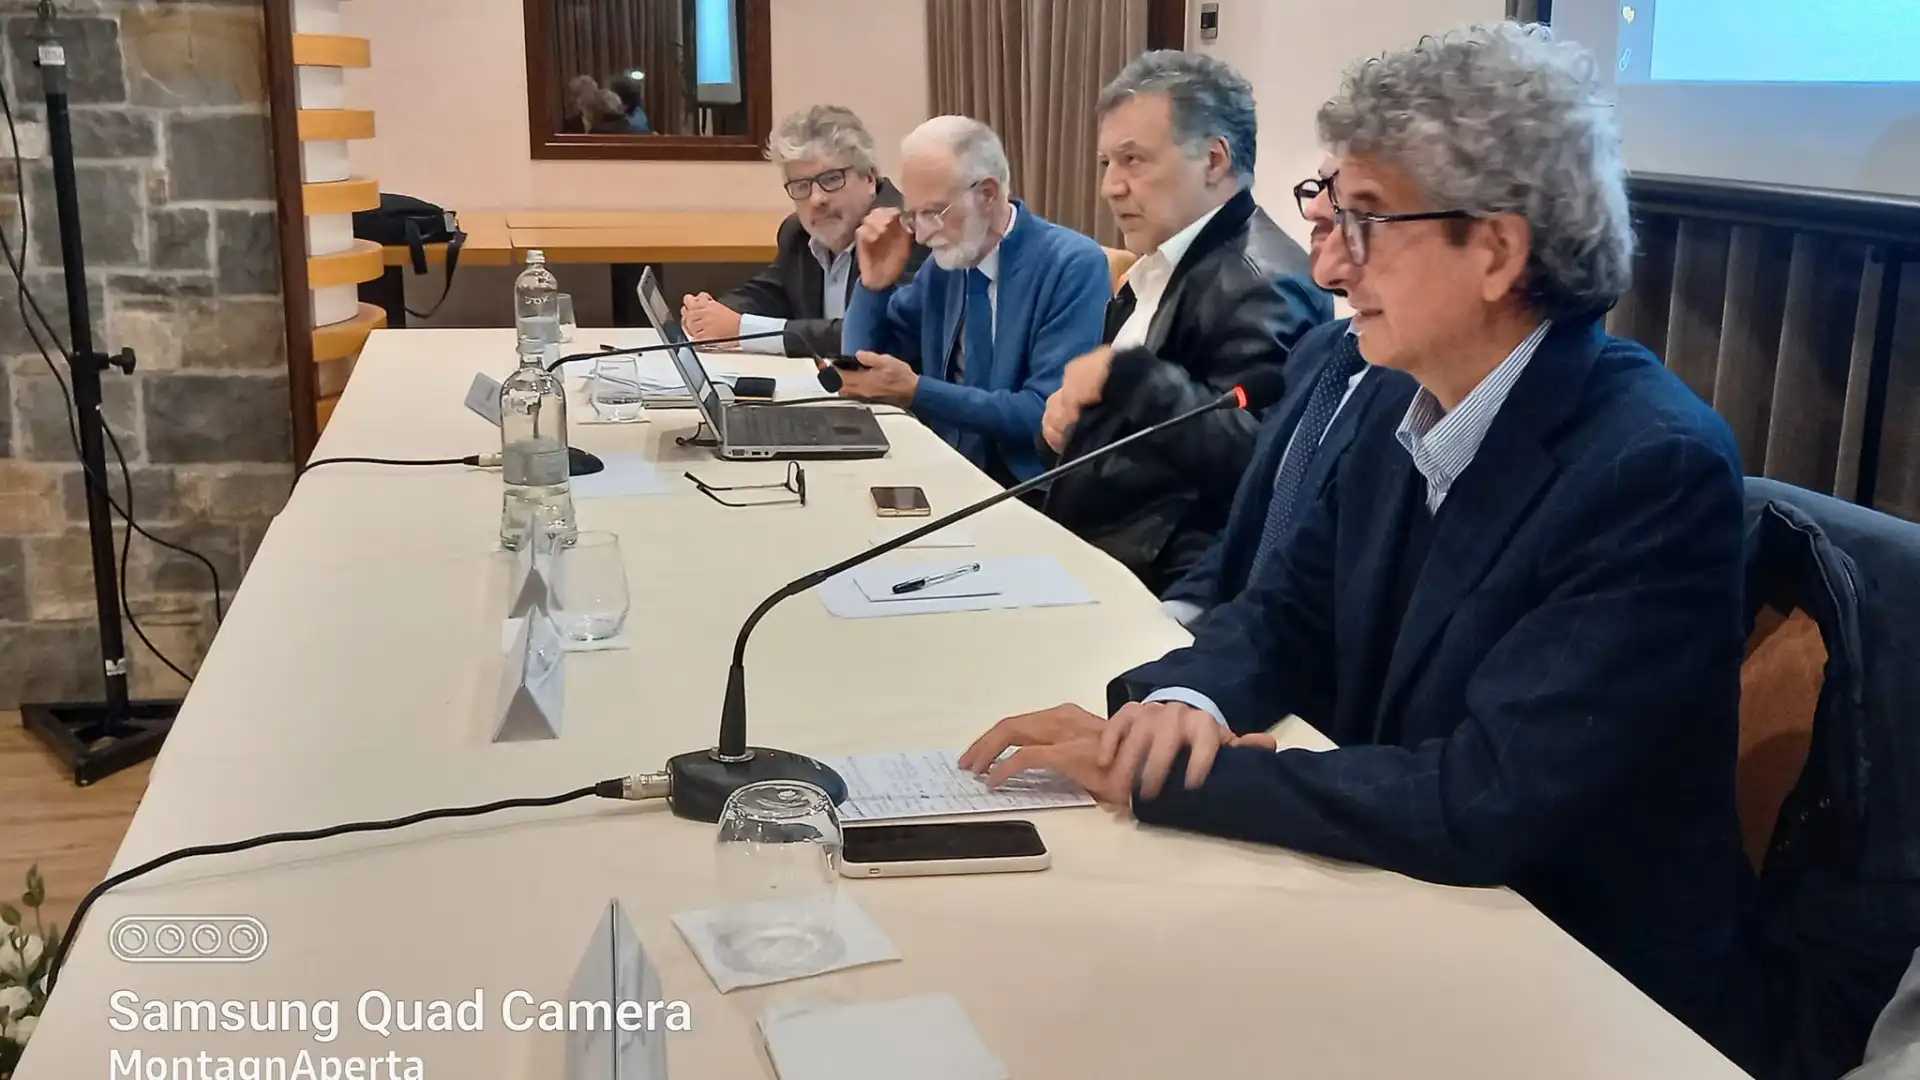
[1209, 21]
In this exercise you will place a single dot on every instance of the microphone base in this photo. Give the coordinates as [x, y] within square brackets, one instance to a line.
[701, 784]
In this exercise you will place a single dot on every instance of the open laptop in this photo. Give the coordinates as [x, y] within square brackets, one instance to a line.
[759, 432]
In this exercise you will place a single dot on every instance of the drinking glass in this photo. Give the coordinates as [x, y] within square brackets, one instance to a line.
[778, 852]
[615, 389]
[589, 587]
[563, 307]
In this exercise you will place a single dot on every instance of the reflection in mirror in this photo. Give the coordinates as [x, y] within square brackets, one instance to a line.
[648, 67]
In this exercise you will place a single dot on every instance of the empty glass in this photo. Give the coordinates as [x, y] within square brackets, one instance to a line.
[564, 308]
[778, 852]
[614, 390]
[589, 587]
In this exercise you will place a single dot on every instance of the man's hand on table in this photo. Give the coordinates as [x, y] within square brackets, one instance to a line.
[1105, 756]
[886, 379]
[704, 317]
[1065, 738]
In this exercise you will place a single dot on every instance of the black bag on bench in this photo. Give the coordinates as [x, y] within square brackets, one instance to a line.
[403, 220]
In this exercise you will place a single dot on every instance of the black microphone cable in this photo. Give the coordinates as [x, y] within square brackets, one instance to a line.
[642, 787]
[30, 310]
[480, 461]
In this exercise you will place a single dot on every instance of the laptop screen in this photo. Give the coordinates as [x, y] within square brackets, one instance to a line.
[692, 372]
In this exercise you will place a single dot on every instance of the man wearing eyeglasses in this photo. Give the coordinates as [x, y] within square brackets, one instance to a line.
[975, 341]
[827, 164]
[1303, 437]
[1516, 610]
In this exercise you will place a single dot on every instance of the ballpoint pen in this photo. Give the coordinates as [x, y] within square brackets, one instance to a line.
[936, 579]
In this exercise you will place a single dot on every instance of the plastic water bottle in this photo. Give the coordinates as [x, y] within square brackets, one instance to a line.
[533, 418]
[536, 308]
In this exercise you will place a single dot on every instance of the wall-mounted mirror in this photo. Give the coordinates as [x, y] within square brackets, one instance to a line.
[684, 80]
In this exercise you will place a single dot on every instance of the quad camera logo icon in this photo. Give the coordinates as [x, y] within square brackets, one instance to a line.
[188, 939]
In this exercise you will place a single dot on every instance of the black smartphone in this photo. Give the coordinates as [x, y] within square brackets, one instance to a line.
[848, 363]
[948, 847]
[900, 502]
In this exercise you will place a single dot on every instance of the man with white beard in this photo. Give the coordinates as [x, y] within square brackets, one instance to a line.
[975, 341]
[828, 169]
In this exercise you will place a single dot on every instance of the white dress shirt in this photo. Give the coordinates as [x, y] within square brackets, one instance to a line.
[1148, 279]
[834, 272]
[1441, 444]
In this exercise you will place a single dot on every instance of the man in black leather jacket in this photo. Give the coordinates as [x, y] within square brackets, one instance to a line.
[1219, 292]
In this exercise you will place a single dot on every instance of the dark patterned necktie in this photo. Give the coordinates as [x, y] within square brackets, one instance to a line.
[1322, 403]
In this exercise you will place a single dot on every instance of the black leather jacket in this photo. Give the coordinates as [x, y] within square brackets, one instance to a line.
[1238, 301]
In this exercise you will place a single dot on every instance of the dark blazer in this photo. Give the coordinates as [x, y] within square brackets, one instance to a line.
[1239, 300]
[791, 287]
[1222, 572]
[1558, 711]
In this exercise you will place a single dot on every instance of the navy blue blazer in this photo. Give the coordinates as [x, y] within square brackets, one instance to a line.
[1558, 711]
[1222, 572]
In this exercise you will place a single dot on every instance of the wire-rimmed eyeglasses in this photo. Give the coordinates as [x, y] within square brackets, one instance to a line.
[927, 222]
[1357, 225]
[795, 484]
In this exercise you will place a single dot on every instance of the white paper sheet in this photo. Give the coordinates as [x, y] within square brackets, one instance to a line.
[1007, 582]
[931, 783]
[925, 1037]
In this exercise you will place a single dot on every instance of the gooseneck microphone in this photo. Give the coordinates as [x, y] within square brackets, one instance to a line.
[663, 346]
[700, 782]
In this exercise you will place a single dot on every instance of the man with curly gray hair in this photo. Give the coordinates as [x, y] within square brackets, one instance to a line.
[827, 167]
[1516, 608]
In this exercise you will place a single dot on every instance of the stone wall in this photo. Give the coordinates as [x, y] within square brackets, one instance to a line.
[176, 186]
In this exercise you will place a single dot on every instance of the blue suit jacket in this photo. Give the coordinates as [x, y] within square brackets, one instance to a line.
[1053, 290]
[1222, 572]
[1557, 712]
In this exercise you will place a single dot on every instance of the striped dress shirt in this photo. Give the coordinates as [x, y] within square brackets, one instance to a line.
[1442, 444]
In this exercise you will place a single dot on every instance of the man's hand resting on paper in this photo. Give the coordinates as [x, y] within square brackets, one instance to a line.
[1103, 756]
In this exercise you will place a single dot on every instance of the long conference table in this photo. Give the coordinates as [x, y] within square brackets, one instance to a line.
[354, 680]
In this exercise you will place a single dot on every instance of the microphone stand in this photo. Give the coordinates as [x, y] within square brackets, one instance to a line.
[700, 782]
[93, 739]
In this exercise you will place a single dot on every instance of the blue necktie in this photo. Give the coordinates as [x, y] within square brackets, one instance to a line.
[976, 330]
[1322, 403]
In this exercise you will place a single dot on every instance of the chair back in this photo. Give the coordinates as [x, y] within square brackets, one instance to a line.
[1119, 261]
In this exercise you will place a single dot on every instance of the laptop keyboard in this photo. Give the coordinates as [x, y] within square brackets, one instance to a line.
[798, 426]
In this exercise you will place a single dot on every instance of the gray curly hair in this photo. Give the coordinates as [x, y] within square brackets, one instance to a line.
[1207, 97]
[1504, 119]
[823, 133]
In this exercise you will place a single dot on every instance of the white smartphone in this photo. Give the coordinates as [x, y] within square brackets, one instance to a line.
[958, 847]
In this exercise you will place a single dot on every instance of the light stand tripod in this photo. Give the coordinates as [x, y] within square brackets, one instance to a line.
[93, 739]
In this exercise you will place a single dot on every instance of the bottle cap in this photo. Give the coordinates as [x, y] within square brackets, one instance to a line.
[536, 256]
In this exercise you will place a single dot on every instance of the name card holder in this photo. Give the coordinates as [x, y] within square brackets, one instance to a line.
[615, 969]
[533, 686]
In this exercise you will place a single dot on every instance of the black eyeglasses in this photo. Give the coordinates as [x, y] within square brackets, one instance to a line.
[795, 483]
[1357, 225]
[831, 180]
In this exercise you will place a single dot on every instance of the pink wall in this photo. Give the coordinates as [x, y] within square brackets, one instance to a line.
[448, 88]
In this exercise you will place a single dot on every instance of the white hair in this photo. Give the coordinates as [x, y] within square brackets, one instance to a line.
[975, 149]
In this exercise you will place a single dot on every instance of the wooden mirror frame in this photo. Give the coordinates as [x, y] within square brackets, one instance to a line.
[546, 144]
